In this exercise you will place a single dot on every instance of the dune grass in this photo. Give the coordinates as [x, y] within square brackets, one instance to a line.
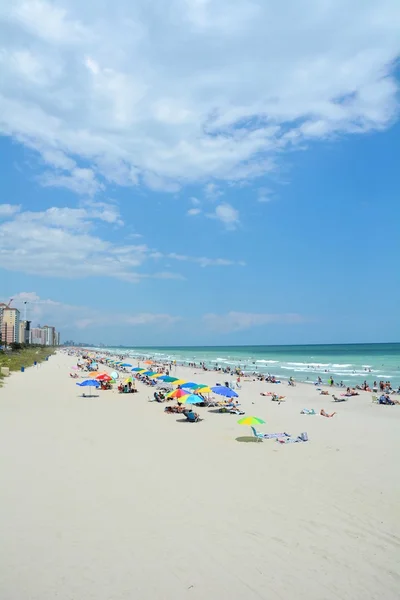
[24, 358]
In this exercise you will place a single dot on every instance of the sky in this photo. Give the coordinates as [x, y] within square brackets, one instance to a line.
[202, 172]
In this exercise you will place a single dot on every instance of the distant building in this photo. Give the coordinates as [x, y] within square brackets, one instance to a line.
[44, 336]
[24, 332]
[38, 336]
[50, 333]
[10, 330]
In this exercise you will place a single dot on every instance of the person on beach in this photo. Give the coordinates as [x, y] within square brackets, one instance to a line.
[385, 399]
[325, 414]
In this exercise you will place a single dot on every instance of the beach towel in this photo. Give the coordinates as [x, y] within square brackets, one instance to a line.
[303, 437]
[272, 436]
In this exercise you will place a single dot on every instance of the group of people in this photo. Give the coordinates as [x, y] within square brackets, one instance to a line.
[127, 388]
[386, 399]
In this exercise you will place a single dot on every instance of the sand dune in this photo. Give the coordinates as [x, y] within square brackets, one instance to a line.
[109, 498]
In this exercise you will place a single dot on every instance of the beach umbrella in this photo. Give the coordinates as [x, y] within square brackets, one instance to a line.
[138, 369]
[251, 421]
[104, 377]
[178, 394]
[190, 384]
[125, 365]
[128, 380]
[148, 362]
[114, 374]
[155, 376]
[168, 379]
[204, 389]
[179, 382]
[148, 373]
[222, 390]
[89, 383]
[191, 399]
[93, 374]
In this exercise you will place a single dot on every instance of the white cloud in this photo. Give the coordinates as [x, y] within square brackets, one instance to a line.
[60, 242]
[195, 201]
[237, 321]
[80, 181]
[45, 20]
[201, 260]
[8, 210]
[109, 96]
[264, 195]
[212, 191]
[192, 212]
[228, 215]
[69, 316]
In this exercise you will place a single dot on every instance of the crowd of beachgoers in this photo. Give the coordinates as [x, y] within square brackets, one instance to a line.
[159, 375]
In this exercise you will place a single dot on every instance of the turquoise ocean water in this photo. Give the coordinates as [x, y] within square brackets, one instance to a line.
[351, 363]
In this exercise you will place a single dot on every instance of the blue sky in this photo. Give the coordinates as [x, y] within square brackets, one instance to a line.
[199, 175]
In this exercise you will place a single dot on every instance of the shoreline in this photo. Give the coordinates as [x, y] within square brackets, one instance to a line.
[352, 369]
[233, 372]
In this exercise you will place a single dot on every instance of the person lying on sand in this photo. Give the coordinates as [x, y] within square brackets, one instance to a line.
[175, 409]
[324, 393]
[276, 398]
[325, 414]
[352, 392]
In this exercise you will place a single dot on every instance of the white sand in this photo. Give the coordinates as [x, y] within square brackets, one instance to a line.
[111, 499]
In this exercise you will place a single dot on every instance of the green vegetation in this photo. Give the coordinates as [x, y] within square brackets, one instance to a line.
[23, 356]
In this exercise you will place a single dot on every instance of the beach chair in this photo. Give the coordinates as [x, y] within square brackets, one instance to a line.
[258, 436]
[192, 418]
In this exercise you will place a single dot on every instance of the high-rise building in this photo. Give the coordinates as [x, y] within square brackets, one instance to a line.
[44, 336]
[38, 336]
[10, 329]
[50, 334]
[24, 332]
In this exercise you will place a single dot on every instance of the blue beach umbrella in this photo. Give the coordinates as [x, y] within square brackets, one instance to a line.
[222, 390]
[190, 384]
[89, 383]
[148, 373]
[125, 365]
[137, 369]
[191, 399]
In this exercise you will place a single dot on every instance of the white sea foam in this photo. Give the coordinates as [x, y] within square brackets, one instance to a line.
[308, 364]
[267, 361]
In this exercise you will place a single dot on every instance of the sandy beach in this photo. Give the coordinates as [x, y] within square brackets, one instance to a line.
[108, 498]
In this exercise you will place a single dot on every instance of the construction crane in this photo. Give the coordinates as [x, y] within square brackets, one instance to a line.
[9, 303]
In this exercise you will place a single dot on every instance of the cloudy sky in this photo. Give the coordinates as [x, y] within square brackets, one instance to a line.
[201, 171]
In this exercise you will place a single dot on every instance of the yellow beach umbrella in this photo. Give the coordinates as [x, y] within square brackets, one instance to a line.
[128, 380]
[204, 390]
[155, 375]
[179, 382]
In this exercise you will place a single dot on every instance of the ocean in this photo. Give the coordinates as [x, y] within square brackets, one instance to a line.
[350, 363]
